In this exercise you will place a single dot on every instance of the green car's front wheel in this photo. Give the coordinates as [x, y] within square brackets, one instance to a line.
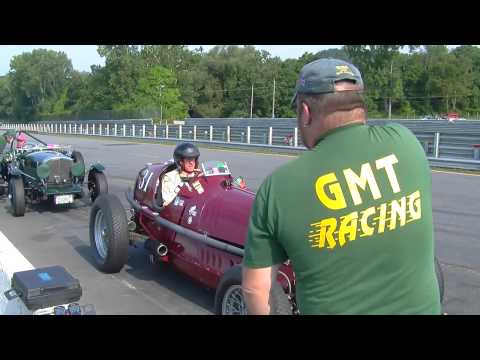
[17, 196]
[2, 186]
[97, 184]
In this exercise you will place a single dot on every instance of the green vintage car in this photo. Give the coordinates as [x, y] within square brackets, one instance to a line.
[33, 171]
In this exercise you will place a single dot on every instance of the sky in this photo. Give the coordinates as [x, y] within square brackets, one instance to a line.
[83, 56]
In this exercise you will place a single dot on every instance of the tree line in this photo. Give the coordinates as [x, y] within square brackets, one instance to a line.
[172, 82]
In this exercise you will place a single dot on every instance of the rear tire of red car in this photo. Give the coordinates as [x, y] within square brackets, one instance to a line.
[440, 278]
[109, 233]
[98, 185]
[17, 192]
[230, 287]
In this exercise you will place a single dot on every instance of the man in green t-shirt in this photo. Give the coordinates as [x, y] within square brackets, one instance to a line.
[353, 214]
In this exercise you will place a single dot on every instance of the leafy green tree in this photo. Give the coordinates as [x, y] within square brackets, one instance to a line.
[6, 98]
[39, 79]
[157, 90]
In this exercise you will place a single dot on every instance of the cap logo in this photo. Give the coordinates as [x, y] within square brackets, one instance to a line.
[301, 82]
[343, 69]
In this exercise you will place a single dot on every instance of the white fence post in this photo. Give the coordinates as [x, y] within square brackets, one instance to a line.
[70, 128]
[115, 129]
[270, 135]
[64, 128]
[100, 129]
[166, 131]
[194, 132]
[56, 129]
[248, 134]
[228, 133]
[133, 129]
[108, 129]
[143, 130]
[296, 137]
[437, 144]
[211, 133]
[124, 130]
[180, 131]
[154, 131]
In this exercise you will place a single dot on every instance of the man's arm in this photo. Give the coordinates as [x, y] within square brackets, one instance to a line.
[263, 252]
[169, 188]
[256, 286]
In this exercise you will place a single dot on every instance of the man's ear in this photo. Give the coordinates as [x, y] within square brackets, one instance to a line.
[305, 114]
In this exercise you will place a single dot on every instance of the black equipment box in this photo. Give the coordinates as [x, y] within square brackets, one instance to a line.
[46, 287]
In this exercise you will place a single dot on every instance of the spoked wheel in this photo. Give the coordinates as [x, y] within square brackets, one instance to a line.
[229, 298]
[97, 184]
[101, 243]
[233, 302]
[109, 233]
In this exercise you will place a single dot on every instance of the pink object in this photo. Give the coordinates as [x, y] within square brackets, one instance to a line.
[21, 140]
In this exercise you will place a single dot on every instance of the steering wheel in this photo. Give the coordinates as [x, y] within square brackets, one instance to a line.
[191, 179]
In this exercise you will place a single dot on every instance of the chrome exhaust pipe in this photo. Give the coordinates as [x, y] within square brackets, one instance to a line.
[131, 226]
[162, 250]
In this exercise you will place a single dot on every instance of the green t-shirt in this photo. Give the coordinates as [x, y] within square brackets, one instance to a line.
[354, 216]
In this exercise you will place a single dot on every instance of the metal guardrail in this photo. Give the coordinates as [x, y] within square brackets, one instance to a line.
[453, 148]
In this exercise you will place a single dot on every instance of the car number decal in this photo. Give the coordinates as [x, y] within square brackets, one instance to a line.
[144, 184]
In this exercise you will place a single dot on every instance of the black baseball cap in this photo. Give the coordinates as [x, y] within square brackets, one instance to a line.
[320, 76]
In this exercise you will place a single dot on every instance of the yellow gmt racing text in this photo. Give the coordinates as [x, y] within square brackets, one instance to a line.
[374, 220]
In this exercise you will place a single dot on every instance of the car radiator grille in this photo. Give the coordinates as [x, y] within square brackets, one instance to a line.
[59, 171]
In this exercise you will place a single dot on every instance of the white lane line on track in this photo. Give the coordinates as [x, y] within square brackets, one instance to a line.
[454, 172]
[11, 261]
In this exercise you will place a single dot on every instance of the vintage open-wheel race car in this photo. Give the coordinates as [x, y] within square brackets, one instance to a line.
[35, 171]
[202, 233]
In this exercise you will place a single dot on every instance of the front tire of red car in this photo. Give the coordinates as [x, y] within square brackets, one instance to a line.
[109, 233]
[229, 297]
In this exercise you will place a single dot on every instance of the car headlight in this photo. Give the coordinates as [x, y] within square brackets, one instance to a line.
[43, 171]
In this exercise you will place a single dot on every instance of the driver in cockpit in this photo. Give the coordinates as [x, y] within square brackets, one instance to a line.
[186, 157]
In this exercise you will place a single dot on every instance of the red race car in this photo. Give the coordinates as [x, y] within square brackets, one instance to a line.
[202, 232]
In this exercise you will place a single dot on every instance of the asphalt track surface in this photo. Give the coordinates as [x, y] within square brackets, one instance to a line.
[54, 236]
